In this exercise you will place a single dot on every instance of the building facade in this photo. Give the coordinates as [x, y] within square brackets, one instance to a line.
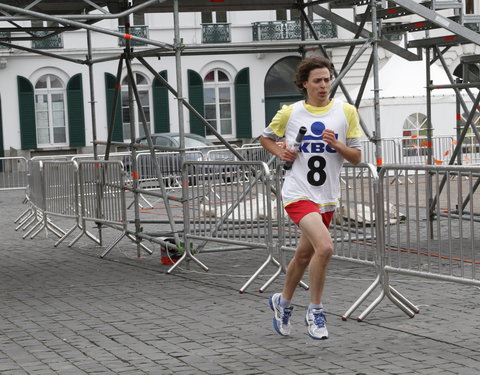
[47, 105]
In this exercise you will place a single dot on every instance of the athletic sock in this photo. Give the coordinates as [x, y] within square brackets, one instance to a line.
[315, 306]
[285, 303]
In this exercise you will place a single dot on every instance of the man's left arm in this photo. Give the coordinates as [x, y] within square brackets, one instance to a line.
[352, 149]
[351, 154]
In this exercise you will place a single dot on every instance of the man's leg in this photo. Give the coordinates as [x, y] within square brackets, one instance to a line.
[317, 234]
[280, 302]
[297, 266]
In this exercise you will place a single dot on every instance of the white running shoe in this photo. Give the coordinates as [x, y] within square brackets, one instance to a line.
[315, 321]
[281, 320]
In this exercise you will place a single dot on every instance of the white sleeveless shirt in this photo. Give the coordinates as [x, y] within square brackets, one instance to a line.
[315, 174]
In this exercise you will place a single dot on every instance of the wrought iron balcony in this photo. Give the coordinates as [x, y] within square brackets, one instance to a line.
[284, 30]
[137, 30]
[52, 42]
[216, 33]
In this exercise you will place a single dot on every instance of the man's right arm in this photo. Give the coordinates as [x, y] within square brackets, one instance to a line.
[275, 130]
[271, 145]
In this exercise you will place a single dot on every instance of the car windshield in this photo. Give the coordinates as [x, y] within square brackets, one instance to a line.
[193, 142]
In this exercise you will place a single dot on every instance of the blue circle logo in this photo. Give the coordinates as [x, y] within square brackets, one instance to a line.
[317, 128]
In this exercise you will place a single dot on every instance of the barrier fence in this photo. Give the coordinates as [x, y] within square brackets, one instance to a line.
[230, 204]
[353, 226]
[435, 234]
[170, 167]
[102, 196]
[13, 173]
[414, 150]
[440, 235]
[88, 191]
[424, 226]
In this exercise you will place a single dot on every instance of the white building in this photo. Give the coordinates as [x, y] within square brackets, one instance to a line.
[45, 102]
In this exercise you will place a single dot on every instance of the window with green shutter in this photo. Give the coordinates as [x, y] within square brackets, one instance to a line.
[76, 117]
[143, 89]
[26, 105]
[161, 111]
[110, 83]
[195, 98]
[51, 112]
[217, 99]
[243, 111]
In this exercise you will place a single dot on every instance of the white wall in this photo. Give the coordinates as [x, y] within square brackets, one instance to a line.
[394, 112]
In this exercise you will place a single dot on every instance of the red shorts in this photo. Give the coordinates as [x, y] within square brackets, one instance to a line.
[297, 210]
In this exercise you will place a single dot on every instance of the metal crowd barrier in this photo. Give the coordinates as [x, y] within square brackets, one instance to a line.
[425, 226]
[353, 226]
[90, 191]
[390, 151]
[39, 198]
[440, 236]
[13, 173]
[102, 197]
[34, 197]
[258, 153]
[470, 151]
[413, 150]
[437, 236]
[61, 192]
[231, 204]
[221, 155]
[62, 196]
[249, 152]
[170, 167]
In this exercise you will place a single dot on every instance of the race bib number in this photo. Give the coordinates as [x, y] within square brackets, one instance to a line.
[316, 175]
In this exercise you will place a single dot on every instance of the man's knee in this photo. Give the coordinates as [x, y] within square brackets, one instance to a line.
[303, 259]
[325, 251]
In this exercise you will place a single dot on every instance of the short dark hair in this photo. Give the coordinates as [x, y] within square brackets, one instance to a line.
[306, 66]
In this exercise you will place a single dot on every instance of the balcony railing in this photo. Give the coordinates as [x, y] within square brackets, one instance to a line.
[52, 42]
[216, 33]
[284, 30]
[137, 30]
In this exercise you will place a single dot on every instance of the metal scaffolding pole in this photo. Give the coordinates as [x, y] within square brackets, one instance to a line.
[64, 21]
[376, 86]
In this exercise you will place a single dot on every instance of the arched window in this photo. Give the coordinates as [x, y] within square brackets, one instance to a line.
[217, 91]
[50, 113]
[281, 76]
[144, 93]
[280, 88]
[414, 142]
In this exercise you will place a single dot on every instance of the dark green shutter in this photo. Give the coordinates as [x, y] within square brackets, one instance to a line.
[2, 147]
[76, 117]
[26, 104]
[243, 111]
[110, 82]
[161, 113]
[195, 98]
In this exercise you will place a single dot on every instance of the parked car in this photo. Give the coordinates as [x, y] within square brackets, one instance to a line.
[173, 140]
[197, 148]
[192, 142]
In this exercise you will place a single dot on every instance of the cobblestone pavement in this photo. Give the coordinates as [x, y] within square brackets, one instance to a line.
[66, 311]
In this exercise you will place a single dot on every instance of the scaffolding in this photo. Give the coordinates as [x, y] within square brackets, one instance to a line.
[371, 29]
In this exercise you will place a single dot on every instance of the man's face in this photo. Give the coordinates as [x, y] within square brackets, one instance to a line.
[318, 87]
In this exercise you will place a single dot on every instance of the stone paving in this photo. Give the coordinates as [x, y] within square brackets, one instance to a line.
[66, 311]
